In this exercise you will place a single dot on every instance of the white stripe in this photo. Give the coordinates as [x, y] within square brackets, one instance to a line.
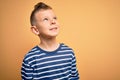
[64, 45]
[52, 75]
[65, 51]
[73, 67]
[53, 66]
[74, 71]
[73, 64]
[68, 76]
[27, 73]
[35, 56]
[65, 48]
[51, 61]
[49, 57]
[53, 70]
[26, 77]
[32, 52]
[25, 64]
[26, 68]
[75, 75]
[73, 60]
[33, 49]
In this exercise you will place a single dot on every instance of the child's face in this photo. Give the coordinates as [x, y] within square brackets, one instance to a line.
[46, 23]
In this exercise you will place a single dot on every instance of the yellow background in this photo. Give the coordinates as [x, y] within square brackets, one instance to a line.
[90, 27]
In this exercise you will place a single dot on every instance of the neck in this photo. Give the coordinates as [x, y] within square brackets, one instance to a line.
[49, 44]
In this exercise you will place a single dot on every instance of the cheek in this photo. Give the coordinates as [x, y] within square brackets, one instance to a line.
[43, 29]
[44, 26]
[58, 24]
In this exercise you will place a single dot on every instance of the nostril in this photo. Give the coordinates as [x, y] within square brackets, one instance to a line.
[53, 22]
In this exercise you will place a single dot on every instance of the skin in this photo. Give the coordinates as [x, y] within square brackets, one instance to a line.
[47, 28]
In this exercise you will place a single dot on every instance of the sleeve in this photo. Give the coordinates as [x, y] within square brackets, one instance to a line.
[26, 71]
[74, 74]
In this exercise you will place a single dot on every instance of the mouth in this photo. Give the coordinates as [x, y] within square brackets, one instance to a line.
[55, 28]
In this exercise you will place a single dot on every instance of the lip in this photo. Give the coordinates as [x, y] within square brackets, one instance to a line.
[54, 28]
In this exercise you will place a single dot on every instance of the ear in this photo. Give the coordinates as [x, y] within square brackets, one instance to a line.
[35, 30]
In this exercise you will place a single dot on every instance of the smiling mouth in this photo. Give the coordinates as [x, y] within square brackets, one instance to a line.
[55, 28]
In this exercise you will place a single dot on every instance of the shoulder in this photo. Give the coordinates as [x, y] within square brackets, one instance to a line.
[63, 45]
[66, 47]
[32, 53]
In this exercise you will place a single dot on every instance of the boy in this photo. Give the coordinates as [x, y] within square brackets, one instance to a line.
[49, 60]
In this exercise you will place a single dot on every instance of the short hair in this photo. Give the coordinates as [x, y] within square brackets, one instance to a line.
[39, 6]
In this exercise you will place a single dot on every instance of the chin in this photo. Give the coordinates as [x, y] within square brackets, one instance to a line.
[53, 35]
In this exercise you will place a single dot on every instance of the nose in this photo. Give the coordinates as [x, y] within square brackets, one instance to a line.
[53, 21]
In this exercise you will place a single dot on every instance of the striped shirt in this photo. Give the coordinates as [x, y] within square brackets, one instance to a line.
[60, 64]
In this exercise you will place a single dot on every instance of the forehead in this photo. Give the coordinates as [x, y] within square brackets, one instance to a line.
[44, 13]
